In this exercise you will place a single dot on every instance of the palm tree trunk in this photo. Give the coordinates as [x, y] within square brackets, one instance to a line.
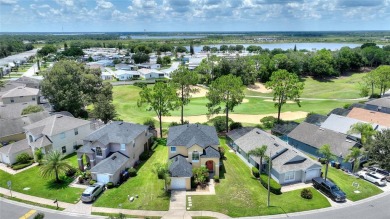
[57, 179]
[261, 164]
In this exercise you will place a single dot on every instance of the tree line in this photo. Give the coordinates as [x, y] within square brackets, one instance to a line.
[10, 47]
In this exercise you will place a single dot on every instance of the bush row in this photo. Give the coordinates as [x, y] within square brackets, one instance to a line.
[274, 186]
[22, 165]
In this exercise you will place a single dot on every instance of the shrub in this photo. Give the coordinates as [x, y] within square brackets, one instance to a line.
[161, 141]
[160, 169]
[163, 80]
[268, 121]
[219, 123]
[71, 172]
[92, 182]
[255, 172]
[216, 178]
[144, 156]
[235, 125]
[23, 158]
[21, 166]
[322, 160]
[110, 185]
[274, 186]
[40, 215]
[347, 106]
[306, 193]
[221, 152]
[132, 172]
[375, 96]
[193, 183]
[32, 109]
[150, 122]
[38, 154]
[140, 84]
[173, 124]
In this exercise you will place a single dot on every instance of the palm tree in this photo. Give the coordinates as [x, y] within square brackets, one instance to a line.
[54, 165]
[354, 155]
[259, 152]
[327, 155]
[364, 129]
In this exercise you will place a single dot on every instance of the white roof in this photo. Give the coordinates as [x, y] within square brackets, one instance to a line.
[124, 72]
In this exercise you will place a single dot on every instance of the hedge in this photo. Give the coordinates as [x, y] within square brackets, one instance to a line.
[21, 166]
[255, 172]
[274, 186]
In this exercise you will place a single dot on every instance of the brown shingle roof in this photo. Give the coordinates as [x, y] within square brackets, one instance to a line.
[379, 118]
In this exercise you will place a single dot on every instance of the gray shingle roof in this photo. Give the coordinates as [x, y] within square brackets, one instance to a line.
[338, 111]
[9, 86]
[15, 147]
[211, 152]
[117, 132]
[285, 128]
[12, 111]
[316, 137]
[285, 158]
[383, 102]
[21, 91]
[238, 133]
[85, 149]
[111, 164]
[15, 126]
[315, 119]
[29, 82]
[180, 167]
[56, 124]
[190, 134]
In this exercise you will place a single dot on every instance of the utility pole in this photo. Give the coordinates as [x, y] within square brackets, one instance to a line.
[269, 178]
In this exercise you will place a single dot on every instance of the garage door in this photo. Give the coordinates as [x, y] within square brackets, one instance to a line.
[178, 183]
[310, 174]
[104, 178]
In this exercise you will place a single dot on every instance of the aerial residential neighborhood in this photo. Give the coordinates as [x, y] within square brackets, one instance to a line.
[194, 109]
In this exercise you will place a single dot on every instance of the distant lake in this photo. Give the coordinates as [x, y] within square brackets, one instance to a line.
[286, 46]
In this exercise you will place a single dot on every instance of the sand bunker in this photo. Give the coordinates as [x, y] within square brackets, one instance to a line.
[259, 87]
[243, 118]
[201, 92]
[288, 101]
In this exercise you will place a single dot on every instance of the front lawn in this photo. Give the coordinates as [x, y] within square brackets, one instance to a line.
[239, 194]
[345, 181]
[30, 182]
[146, 185]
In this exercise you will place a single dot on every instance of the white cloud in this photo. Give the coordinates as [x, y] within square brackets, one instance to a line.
[104, 4]
[8, 2]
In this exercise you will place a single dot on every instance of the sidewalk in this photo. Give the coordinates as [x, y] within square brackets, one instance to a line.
[6, 169]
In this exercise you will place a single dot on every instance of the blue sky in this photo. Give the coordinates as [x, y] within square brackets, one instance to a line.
[192, 15]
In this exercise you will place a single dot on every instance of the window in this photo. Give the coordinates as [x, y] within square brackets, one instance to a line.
[123, 147]
[33, 98]
[195, 156]
[173, 149]
[12, 100]
[76, 131]
[133, 144]
[289, 176]
[62, 135]
[99, 151]
[31, 138]
[63, 149]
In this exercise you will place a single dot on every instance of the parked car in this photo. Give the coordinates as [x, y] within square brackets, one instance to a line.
[376, 178]
[329, 188]
[92, 192]
[380, 171]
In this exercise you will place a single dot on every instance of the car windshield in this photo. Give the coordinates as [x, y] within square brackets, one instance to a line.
[86, 195]
[334, 188]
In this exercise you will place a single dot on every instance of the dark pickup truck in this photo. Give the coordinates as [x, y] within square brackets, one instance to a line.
[329, 189]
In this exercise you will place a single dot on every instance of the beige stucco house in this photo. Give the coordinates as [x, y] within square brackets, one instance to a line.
[191, 146]
[58, 132]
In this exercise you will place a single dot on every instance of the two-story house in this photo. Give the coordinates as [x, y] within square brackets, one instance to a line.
[111, 149]
[57, 132]
[191, 146]
[21, 94]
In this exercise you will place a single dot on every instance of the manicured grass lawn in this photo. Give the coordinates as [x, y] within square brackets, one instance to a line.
[345, 87]
[41, 187]
[146, 185]
[344, 181]
[125, 101]
[239, 194]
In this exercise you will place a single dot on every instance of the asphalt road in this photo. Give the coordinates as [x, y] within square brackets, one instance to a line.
[14, 210]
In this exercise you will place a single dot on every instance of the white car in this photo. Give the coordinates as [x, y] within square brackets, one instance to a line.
[376, 178]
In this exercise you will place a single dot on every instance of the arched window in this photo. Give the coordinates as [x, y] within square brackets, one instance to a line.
[99, 151]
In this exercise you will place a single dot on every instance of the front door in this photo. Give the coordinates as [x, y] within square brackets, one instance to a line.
[210, 165]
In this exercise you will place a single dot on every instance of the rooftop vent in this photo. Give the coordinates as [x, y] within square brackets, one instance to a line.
[276, 144]
[120, 123]
[258, 132]
[113, 158]
[321, 129]
[59, 116]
